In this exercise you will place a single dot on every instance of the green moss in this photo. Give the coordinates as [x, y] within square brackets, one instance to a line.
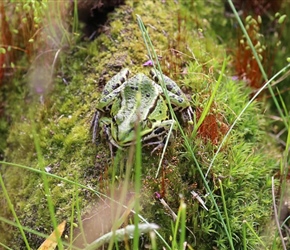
[62, 125]
[77, 135]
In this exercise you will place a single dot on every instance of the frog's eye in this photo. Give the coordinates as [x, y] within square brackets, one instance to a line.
[180, 100]
[147, 95]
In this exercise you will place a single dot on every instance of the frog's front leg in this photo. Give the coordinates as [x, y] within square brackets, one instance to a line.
[106, 124]
[110, 137]
[107, 131]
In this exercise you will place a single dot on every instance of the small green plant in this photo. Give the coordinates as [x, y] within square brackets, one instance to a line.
[37, 28]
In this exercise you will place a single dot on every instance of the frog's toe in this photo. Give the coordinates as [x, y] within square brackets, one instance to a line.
[187, 115]
[159, 146]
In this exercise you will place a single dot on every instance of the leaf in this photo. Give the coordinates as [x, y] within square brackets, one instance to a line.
[51, 242]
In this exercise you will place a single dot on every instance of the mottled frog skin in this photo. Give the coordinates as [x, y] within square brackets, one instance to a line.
[125, 102]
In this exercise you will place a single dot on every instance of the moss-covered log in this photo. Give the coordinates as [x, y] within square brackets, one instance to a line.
[54, 136]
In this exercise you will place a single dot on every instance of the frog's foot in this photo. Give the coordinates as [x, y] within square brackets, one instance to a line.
[95, 125]
[187, 115]
[160, 142]
[159, 146]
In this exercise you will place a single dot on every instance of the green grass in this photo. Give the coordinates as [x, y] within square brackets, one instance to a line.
[154, 58]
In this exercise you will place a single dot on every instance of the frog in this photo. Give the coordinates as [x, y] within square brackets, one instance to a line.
[125, 101]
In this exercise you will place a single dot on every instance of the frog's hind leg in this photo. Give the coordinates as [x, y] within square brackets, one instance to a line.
[95, 125]
[160, 143]
[160, 133]
[176, 96]
[116, 81]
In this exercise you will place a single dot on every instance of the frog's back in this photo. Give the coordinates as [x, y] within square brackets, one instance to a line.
[138, 85]
[139, 98]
